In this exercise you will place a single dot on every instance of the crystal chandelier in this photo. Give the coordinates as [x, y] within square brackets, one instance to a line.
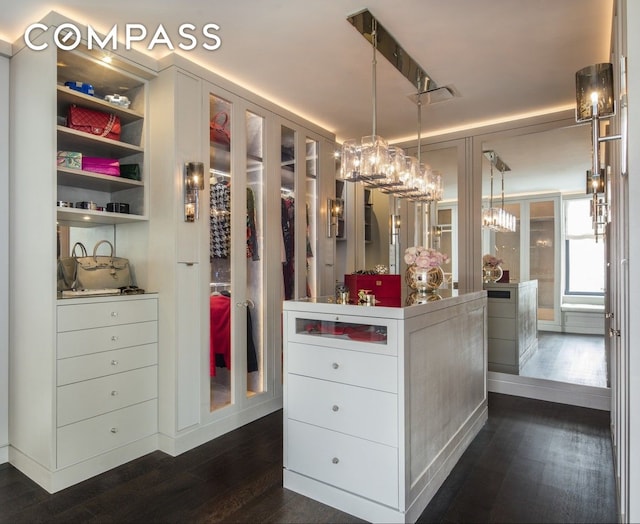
[371, 159]
[496, 218]
[367, 159]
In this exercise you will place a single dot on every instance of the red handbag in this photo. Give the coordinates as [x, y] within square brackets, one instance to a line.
[219, 129]
[98, 123]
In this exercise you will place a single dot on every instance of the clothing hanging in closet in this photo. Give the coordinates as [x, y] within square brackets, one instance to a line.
[287, 205]
[252, 234]
[220, 222]
[220, 335]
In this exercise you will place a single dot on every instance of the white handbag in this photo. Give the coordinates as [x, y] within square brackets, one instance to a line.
[102, 271]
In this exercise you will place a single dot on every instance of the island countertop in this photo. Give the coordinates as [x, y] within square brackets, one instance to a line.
[415, 304]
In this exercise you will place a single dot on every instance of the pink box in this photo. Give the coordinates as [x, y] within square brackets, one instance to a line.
[104, 166]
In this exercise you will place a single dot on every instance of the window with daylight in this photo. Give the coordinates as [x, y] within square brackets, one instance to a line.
[585, 263]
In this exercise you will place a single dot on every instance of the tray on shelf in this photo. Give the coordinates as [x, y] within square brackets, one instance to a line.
[92, 145]
[67, 96]
[94, 181]
[71, 216]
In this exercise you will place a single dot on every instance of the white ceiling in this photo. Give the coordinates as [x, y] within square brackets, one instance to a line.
[506, 58]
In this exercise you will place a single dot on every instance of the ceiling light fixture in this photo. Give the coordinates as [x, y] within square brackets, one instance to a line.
[496, 218]
[367, 159]
[371, 160]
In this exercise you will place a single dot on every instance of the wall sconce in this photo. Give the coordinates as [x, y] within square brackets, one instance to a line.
[596, 184]
[394, 229]
[595, 100]
[193, 184]
[436, 232]
[335, 208]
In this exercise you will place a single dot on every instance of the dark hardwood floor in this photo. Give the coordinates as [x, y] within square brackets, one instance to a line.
[567, 357]
[533, 461]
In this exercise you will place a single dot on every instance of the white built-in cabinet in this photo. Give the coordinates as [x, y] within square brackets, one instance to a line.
[380, 403]
[75, 412]
[222, 276]
[70, 416]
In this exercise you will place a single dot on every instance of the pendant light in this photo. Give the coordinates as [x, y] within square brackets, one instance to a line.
[371, 159]
[367, 159]
[496, 218]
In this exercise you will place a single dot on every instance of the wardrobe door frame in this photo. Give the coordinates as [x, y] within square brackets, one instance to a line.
[238, 167]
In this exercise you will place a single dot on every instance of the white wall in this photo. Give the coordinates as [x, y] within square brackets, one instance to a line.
[633, 376]
[4, 247]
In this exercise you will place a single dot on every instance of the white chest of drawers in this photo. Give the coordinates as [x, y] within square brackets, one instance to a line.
[380, 402]
[106, 375]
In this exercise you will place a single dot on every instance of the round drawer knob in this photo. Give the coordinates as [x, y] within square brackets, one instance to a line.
[335, 365]
[114, 362]
[114, 430]
[114, 338]
[335, 407]
[114, 393]
[114, 314]
[335, 460]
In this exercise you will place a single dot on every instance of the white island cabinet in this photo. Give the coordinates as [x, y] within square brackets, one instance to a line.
[381, 402]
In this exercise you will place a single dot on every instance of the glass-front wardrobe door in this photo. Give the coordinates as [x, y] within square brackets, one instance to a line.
[506, 245]
[221, 189]
[311, 180]
[236, 253]
[298, 180]
[542, 256]
[254, 293]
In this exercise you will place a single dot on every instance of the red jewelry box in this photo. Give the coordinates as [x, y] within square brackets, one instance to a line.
[386, 288]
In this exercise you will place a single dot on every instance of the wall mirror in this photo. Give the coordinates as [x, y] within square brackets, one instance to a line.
[67, 236]
[545, 190]
[380, 246]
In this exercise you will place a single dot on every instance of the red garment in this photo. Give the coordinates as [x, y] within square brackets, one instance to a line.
[220, 327]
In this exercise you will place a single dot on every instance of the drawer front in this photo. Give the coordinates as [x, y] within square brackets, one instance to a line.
[501, 309]
[108, 313]
[503, 351]
[89, 438]
[355, 465]
[369, 370]
[371, 335]
[86, 367]
[356, 411]
[86, 341]
[501, 328]
[94, 397]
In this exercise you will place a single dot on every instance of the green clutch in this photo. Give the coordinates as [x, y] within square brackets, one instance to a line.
[130, 171]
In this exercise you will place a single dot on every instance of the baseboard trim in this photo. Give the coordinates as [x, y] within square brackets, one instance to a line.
[4, 454]
[54, 481]
[176, 445]
[549, 390]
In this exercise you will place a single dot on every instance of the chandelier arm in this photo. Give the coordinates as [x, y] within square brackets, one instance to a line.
[491, 194]
[502, 200]
[419, 128]
[374, 45]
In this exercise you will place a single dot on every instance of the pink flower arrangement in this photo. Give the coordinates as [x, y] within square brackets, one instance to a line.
[490, 260]
[424, 257]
